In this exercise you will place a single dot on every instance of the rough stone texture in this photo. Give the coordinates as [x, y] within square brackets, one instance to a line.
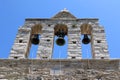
[74, 44]
[46, 43]
[29, 69]
[99, 44]
[21, 45]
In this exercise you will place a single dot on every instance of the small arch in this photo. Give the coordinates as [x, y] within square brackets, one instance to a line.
[86, 29]
[37, 29]
[60, 27]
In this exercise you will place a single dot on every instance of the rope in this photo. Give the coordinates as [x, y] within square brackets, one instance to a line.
[87, 63]
[32, 61]
[60, 59]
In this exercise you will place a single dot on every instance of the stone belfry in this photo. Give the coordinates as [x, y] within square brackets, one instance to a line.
[43, 33]
[60, 25]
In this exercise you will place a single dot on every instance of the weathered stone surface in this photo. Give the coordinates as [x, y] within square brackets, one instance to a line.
[28, 69]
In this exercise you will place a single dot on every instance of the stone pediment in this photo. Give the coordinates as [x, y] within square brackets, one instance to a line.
[64, 14]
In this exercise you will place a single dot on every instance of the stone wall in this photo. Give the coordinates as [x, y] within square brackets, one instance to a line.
[67, 69]
[75, 29]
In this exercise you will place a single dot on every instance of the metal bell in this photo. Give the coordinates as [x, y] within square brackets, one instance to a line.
[35, 39]
[86, 39]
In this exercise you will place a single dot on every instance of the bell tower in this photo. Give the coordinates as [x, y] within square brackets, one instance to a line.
[63, 28]
[61, 25]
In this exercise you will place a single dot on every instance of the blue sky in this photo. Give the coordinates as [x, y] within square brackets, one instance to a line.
[13, 13]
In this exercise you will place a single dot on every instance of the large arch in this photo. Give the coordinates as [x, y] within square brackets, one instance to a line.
[35, 30]
[60, 34]
[86, 29]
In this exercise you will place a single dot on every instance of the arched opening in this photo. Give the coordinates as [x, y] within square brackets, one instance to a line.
[60, 42]
[36, 30]
[86, 40]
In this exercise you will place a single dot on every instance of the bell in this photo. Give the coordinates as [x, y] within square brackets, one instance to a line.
[35, 39]
[60, 34]
[60, 41]
[86, 40]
